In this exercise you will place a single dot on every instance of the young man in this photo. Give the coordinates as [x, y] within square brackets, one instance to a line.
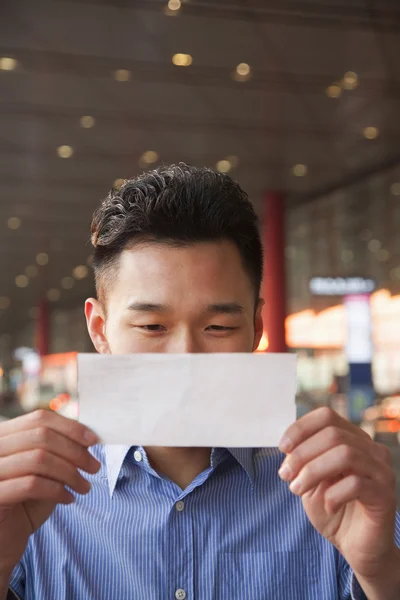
[178, 265]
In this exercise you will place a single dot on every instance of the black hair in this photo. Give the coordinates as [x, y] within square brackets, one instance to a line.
[179, 205]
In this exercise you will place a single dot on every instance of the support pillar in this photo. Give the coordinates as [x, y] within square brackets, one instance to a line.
[42, 329]
[274, 286]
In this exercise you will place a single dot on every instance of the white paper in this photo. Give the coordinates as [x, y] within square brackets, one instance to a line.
[209, 400]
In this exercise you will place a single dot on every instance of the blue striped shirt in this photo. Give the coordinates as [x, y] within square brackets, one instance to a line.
[236, 532]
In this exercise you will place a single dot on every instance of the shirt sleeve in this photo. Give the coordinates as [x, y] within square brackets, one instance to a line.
[18, 580]
[349, 588]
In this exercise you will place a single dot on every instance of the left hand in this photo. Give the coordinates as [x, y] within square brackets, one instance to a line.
[347, 485]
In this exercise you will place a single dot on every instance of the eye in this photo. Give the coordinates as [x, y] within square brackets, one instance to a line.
[220, 328]
[153, 327]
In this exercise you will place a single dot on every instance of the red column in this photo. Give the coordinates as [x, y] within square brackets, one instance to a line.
[42, 331]
[274, 286]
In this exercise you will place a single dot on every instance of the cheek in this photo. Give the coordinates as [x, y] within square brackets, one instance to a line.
[242, 342]
[123, 339]
[118, 338]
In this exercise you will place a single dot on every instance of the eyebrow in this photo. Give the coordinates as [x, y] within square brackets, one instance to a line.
[223, 308]
[147, 307]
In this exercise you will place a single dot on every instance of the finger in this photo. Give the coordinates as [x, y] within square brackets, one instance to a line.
[45, 464]
[33, 487]
[342, 459]
[320, 443]
[51, 441]
[49, 419]
[384, 453]
[313, 422]
[348, 489]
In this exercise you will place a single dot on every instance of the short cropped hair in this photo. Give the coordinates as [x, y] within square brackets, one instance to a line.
[178, 205]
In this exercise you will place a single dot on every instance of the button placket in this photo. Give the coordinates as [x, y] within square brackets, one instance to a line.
[180, 550]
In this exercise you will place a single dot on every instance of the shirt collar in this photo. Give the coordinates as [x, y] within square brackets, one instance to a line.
[115, 456]
[245, 458]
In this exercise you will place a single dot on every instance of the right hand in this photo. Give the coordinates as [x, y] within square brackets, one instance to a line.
[40, 454]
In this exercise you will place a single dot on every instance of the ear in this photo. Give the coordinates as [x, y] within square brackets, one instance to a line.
[96, 324]
[258, 324]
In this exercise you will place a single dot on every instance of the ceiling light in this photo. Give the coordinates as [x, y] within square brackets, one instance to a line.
[67, 283]
[21, 281]
[7, 63]
[182, 60]
[42, 259]
[242, 72]
[395, 273]
[33, 312]
[53, 295]
[395, 189]
[223, 166]
[347, 256]
[350, 80]
[334, 90]
[300, 170]
[148, 158]
[14, 223]
[4, 302]
[31, 270]
[243, 69]
[122, 75]
[87, 122]
[383, 255]
[371, 133]
[65, 151]
[174, 5]
[80, 272]
[374, 245]
[118, 183]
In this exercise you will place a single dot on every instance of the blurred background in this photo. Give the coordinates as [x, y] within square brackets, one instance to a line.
[297, 100]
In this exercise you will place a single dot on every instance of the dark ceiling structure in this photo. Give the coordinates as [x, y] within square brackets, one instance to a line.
[290, 95]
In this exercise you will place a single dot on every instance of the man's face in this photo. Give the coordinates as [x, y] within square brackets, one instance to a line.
[196, 298]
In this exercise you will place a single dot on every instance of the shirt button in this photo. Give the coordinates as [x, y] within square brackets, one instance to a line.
[180, 594]
[180, 506]
[138, 456]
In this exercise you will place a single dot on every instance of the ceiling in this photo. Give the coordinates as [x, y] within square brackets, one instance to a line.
[67, 53]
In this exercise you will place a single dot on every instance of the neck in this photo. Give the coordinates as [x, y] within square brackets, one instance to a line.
[181, 465]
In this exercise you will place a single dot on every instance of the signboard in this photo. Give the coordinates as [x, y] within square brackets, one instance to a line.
[359, 352]
[341, 286]
[359, 335]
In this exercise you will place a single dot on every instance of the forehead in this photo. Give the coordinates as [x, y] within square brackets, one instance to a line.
[201, 270]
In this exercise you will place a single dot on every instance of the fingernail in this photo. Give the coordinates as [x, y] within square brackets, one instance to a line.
[90, 437]
[295, 486]
[97, 465]
[285, 472]
[285, 445]
[88, 485]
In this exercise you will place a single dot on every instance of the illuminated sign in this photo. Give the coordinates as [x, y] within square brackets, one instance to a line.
[341, 286]
[359, 347]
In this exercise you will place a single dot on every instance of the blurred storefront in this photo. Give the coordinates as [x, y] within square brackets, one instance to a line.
[348, 234]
